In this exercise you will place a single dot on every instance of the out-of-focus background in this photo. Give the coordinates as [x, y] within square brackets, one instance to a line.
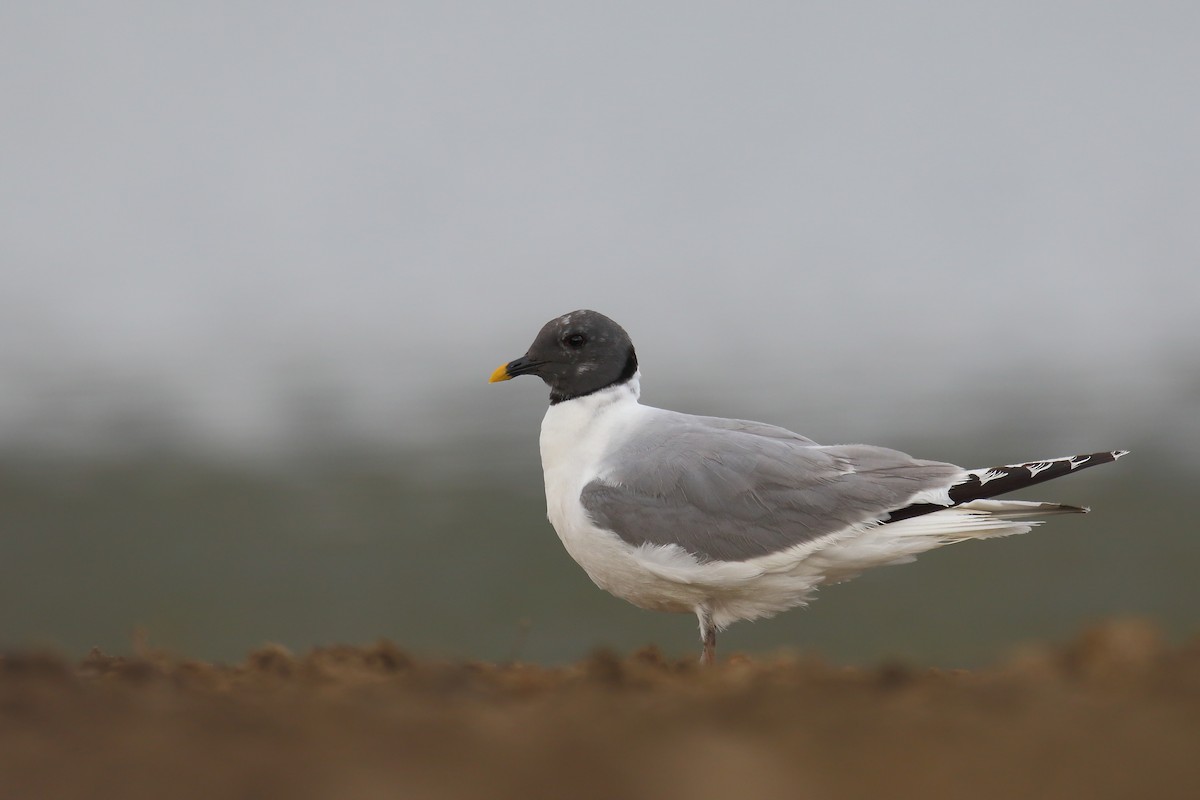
[258, 260]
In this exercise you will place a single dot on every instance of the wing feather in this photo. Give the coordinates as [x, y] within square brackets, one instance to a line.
[728, 490]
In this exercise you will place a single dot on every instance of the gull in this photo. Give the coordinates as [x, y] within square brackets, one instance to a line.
[730, 519]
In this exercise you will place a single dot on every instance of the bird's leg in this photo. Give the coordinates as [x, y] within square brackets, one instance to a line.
[708, 635]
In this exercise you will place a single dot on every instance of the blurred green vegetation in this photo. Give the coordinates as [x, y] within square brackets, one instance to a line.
[452, 555]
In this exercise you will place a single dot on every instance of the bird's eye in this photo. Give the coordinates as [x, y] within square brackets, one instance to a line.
[575, 340]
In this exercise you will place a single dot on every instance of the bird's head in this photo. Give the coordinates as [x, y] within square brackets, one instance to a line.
[576, 354]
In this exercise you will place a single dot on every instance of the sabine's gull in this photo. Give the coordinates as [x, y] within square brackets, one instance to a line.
[731, 519]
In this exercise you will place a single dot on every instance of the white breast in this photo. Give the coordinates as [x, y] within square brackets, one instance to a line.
[577, 435]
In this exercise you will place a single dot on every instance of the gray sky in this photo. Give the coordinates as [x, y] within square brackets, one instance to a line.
[224, 222]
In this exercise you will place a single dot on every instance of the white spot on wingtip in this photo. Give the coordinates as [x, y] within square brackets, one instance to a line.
[1118, 453]
[990, 475]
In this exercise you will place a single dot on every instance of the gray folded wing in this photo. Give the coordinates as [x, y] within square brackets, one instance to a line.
[730, 490]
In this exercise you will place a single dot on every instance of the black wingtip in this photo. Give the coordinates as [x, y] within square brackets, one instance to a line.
[982, 484]
[993, 481]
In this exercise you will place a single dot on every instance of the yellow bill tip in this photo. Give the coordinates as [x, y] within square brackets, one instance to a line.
[501, 374]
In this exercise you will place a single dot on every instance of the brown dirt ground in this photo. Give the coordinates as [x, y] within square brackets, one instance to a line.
[1114, 714]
